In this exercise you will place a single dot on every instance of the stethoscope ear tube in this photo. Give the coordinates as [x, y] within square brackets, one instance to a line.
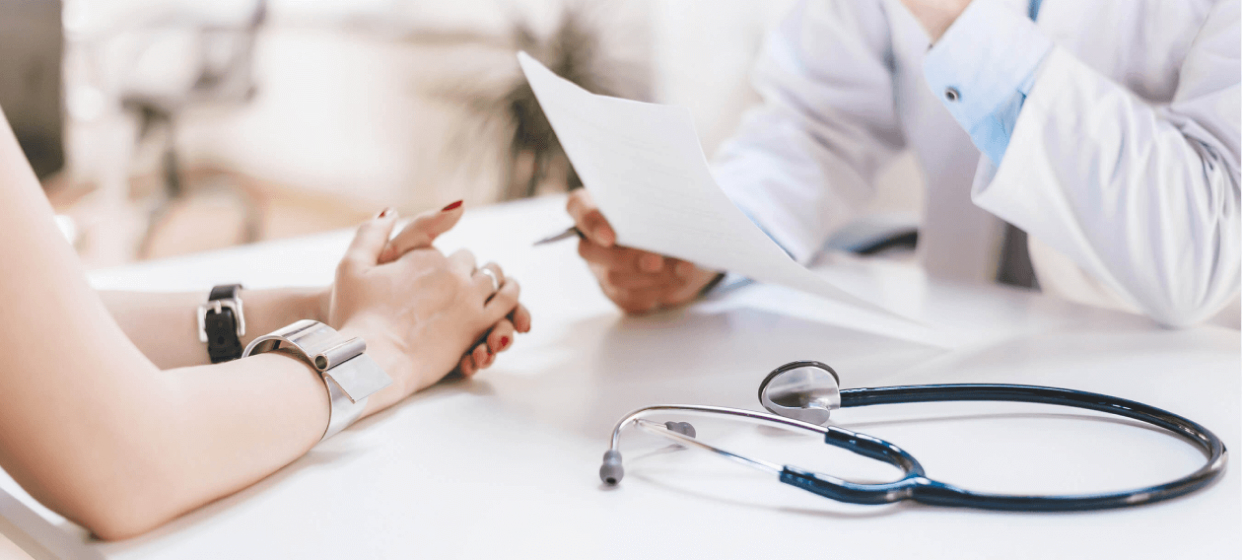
[916, 486]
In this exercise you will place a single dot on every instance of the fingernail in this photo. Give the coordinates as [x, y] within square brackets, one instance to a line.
[452, 206]
[385, 212]
[684, 269]
[504, 341]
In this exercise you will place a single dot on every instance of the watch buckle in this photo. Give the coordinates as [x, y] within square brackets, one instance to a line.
[217, 306]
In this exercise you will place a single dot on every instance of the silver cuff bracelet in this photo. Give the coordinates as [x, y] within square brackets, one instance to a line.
[350, 375]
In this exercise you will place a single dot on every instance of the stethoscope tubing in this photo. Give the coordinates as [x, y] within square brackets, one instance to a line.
[916, 486]
[932, 492]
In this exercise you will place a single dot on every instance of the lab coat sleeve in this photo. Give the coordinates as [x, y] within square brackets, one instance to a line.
[1142, 196]
[804, 162]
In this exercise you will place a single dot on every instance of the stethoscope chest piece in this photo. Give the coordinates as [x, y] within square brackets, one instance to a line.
[807, 391]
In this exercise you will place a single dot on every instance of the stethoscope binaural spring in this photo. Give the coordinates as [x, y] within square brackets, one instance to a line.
[802, 395]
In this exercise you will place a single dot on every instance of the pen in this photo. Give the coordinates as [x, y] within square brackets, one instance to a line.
[568, 233]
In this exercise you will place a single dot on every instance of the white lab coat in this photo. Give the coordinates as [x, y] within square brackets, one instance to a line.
[1123, 166]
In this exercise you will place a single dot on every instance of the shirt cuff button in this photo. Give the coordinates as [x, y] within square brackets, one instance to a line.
[951, 94]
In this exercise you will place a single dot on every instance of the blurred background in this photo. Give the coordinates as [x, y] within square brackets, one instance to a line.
[165, 127]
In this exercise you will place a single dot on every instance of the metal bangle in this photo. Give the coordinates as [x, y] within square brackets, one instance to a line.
[348, 373]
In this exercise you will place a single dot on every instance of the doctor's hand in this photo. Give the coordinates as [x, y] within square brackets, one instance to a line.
[637, 281]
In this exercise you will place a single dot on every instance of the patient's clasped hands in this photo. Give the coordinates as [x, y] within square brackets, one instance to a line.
[422, 313]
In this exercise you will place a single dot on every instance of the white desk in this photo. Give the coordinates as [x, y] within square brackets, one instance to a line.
[505, 465]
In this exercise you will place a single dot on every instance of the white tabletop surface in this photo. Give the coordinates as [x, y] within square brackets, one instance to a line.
[505, 465]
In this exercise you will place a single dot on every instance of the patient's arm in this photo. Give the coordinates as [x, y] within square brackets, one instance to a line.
[93, 429]
[164, 326]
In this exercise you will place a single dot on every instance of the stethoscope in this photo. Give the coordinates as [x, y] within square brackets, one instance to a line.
[802, 396]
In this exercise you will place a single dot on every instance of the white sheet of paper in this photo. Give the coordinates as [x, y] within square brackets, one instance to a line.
[644, 167]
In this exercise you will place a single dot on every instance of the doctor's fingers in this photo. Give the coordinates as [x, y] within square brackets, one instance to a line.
[621, 258]
[635, 302]
[588, 218]
[673, 273]
[639, 280]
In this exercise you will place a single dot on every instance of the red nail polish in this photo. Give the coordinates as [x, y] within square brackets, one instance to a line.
[452, 206]
[385, 213]
[504, 341]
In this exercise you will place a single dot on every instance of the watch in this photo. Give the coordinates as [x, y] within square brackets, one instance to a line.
[348, 373]
[222, 323]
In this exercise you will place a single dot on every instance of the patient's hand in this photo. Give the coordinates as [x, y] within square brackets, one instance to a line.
[420, 311]
[420, 233]
[637, 281]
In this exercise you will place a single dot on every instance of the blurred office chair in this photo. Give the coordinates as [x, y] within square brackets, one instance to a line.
[219, 53]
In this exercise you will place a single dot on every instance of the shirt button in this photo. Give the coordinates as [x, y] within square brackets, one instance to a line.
[952, 94]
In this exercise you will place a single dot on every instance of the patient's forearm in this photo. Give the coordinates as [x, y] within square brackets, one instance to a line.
[89, 425]
[165, 327]
[134, 455]
[236, 424]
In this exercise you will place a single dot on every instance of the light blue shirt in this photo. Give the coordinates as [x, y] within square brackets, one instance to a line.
[983, 68]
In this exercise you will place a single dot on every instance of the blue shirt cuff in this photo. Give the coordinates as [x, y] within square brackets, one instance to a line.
[730, 282]
[982, 69]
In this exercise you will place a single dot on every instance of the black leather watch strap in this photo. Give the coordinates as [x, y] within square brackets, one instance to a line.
[221, 323]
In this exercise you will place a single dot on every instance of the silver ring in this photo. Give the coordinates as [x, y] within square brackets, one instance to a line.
[492, 275]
